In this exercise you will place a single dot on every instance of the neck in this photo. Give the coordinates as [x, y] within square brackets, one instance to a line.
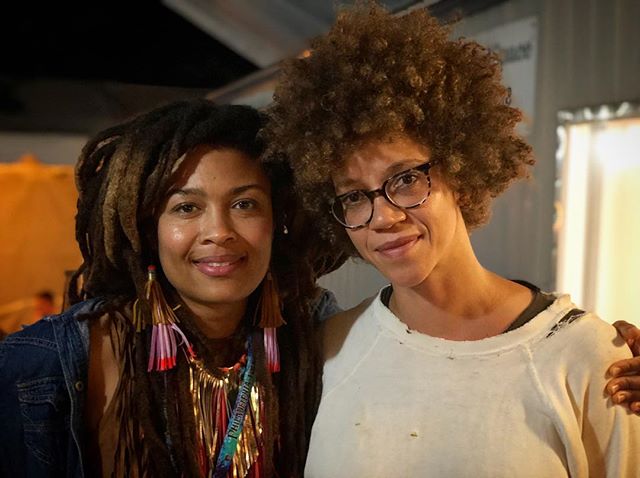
[219, 320]
[460, 300]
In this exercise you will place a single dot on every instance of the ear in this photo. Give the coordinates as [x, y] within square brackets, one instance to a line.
[280, 223]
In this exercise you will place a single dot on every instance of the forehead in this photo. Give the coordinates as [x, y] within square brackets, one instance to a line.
[376, 160]
[207, 166]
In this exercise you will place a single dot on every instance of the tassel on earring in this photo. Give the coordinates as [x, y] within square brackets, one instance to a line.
[270, 319]
[164, 348]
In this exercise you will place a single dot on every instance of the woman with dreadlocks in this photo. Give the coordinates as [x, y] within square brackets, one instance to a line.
[174, 359]
[399, 138]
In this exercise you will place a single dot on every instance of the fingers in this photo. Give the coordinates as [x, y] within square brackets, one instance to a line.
[631, 335]
[628, 385]
[625, 367]
[625, 390]
[624, 400]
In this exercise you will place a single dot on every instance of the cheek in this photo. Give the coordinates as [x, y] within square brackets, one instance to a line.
[172, 240]
[359, 240]
[259, 234]
[265, 239]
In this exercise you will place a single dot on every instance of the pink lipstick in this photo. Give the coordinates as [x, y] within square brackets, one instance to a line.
[219, 266]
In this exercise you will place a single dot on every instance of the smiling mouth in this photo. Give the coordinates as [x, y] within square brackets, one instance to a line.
[217, 264]
[397, 248]
[219, 268]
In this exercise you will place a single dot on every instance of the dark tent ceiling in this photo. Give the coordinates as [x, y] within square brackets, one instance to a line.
[139, 41]
[81, 66]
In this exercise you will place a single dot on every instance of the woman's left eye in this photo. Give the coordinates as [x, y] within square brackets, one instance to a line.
[408, 178]
[404, 180]
[244, 204]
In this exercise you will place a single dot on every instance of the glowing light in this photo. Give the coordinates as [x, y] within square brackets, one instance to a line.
[598, 221]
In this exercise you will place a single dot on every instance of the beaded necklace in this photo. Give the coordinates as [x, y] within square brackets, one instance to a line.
[229, 438]
[230, 441]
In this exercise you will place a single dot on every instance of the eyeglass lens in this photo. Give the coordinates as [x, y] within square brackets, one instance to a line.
[406, 189]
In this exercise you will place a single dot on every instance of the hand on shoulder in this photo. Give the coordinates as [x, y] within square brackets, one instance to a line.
[624, 386]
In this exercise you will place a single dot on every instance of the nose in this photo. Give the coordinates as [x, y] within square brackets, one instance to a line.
[385, 214]
[217, 227]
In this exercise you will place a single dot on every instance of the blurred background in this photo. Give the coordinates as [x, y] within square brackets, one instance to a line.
[68, 71]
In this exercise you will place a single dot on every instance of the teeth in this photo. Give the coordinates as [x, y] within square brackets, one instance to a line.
[218, 264]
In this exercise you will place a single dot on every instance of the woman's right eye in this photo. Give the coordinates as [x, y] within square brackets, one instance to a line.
[353, 198]
[185, 208]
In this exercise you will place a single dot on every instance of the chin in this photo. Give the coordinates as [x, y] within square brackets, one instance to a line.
[221, 295]
[406, 277]
[405, 280]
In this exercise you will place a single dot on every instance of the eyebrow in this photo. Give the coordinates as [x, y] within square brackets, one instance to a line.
[185, 192]
[394, 168]
[246, 187]
[200, 192]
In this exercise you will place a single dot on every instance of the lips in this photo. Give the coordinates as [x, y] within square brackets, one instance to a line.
[397, 247]
[219, 266]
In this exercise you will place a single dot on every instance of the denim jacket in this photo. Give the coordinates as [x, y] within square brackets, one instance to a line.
[43, 375]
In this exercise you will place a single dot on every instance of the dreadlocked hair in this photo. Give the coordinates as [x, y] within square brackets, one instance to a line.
[122, 176]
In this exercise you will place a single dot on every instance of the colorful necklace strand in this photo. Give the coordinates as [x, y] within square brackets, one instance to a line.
[230, 438]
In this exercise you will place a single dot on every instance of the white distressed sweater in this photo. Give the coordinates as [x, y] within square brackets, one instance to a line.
[527, 403]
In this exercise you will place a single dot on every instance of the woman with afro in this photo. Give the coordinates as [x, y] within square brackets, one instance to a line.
[399, 138]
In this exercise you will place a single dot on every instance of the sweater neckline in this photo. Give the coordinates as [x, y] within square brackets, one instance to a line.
[532, 331]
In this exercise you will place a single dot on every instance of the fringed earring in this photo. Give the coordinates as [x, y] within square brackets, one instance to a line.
[270, 319]
[163, 352]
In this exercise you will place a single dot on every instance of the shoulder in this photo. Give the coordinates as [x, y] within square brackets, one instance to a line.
[32, 367]
[579, 343]
[325, 306]
[39, 334]
[34, 341]
[571, 362]
[597, 341]
[36, 348]
[586, 336]
[337, 328]
[347, 337]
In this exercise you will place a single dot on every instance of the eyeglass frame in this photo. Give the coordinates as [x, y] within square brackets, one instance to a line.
[381, 191]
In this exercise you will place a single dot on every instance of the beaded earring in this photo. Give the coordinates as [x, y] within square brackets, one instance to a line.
[165, 330]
